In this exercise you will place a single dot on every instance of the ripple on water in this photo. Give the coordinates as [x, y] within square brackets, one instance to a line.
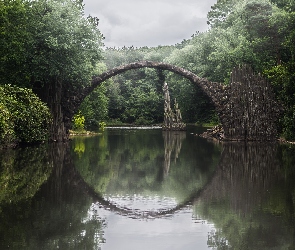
[142, 202]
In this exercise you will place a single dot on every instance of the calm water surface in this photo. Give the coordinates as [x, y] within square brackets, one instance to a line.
[147, 189]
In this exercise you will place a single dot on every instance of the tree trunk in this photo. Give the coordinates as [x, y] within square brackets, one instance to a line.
[52, 95]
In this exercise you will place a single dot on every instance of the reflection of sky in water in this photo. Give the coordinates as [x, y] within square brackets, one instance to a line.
[182, 230]
[146, 201]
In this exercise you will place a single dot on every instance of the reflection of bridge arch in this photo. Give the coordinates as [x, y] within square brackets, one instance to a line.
[172, 143]
[124, 211]
[253, 166]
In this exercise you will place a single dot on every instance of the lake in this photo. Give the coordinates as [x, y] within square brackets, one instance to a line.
[129, 188]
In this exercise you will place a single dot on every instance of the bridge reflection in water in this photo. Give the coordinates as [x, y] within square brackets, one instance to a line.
[246, 195]
[243, 171]
[242, 182]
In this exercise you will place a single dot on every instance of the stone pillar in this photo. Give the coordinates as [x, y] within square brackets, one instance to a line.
[172, 118]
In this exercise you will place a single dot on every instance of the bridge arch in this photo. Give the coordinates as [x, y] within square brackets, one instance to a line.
[208, 87]
[246, 107]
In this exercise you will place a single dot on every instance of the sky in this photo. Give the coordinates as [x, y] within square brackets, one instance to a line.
[149, 23]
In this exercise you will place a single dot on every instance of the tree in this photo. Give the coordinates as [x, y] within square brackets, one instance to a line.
[282, 74]
[220, 11]
[64, 43]
[262, 35]
[95, 107]
[58, 56]
[116, 101]
[68, 46]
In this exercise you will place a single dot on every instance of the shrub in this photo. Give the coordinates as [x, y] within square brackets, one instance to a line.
[79, 122]
[102, 125]
[24, 117]
[6, 126]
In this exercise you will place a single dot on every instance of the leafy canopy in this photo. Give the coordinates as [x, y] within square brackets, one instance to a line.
[52, 39]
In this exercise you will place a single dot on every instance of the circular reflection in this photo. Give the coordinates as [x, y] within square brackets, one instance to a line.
[145, 173]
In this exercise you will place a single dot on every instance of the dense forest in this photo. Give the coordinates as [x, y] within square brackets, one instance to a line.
[52, 45]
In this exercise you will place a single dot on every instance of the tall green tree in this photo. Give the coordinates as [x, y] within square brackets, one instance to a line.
[65, 46]
[220, 11]
[57, 56]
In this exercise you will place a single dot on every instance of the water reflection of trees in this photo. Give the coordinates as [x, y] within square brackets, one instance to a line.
[250, 198]
[22, 172]
[57, 216]
[248, 201]
[137, 164]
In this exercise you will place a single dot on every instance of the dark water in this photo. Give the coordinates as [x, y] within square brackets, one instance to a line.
[147, 189]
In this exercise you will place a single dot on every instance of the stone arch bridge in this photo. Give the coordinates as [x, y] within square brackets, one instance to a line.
[246, 107]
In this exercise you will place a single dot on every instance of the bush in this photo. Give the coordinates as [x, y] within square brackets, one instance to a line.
[6, 125]
[23, 116]
[79, 122]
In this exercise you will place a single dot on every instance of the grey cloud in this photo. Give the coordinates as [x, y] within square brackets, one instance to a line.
[148, 22]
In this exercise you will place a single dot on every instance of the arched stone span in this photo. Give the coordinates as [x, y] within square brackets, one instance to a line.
[67, 103]
[208, 87]
[246, 107]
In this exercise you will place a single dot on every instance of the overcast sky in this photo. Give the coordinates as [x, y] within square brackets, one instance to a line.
[148, 22]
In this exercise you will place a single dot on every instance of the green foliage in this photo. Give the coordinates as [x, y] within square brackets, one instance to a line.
[63, 43]
[95, 106]
[13, 37]
[79, 122]
[219, 12]
[23, 116]
[6, 125]
[142, 103]
[53, 42]
[252, 32]
[102, 125]
[22, 172]
[63, 40]
[48, 45]
[136, 96]
[282, 78]
[47, 39]
[260, 33]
